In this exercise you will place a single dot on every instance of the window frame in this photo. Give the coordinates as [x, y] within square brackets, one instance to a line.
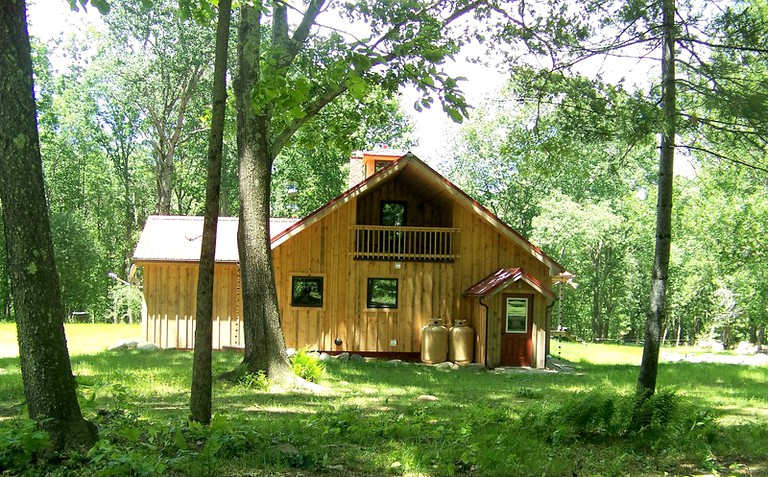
[507, 315]
[381, 306]
[401, 203]
[319, 279]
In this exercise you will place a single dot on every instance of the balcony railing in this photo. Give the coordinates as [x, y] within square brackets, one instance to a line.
[374, 242]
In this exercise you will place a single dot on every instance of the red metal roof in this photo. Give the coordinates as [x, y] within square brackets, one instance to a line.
[501, 279]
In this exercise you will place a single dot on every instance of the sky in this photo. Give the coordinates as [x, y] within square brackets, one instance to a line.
[433, 130]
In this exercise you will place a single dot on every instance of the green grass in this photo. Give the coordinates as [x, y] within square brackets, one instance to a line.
[370, 422]
[82, 338]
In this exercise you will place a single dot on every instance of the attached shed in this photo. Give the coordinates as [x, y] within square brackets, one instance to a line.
[169, 253]
[368, 270]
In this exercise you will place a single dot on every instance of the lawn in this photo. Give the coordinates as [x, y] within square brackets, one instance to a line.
[377, 418]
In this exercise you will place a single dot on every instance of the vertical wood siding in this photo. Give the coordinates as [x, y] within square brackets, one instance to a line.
[170, 294]
[324, 249]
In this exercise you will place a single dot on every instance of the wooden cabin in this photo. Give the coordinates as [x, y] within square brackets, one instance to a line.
[367, 271]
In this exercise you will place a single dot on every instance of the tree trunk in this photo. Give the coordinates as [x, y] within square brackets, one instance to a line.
[49, 385]
[264, 341]
[130, 216]
[200, 402]
[164, 180]
[646, 382]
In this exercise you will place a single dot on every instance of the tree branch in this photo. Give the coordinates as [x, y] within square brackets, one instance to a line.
[723, 157]
[310, 110]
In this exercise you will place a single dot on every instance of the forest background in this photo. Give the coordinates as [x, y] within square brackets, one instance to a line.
[567, 159]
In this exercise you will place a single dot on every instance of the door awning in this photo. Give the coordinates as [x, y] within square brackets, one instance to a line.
[501, 279]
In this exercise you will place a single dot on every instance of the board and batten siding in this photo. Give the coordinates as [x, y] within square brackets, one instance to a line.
[426, 290]
[170, 293]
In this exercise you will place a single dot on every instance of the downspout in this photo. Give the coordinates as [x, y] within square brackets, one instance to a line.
[487, 332]
[548, 324]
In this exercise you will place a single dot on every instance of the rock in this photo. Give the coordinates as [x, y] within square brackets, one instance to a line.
[356, 357]
[343, 356]
[291, 454]
[427, 398]
[444, 365]
[147, 347]
[713, 345]
[290, 352]
[745, 347]
[395, 361]
[476, 366]
[288, 448]
[122, 345]
[324, 357]
[314, 354]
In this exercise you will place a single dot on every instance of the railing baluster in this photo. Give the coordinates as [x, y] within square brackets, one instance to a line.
[374, 242]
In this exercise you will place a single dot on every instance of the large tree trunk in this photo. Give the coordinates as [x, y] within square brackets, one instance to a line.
[200, 402]
[264, 341]
[49, 385]
[646, 382]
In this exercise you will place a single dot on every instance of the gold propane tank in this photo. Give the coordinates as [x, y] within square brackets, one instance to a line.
[434, 342]
[462, 343]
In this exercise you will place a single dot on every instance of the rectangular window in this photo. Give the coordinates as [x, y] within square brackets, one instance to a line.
[393, 213]
[516, 317]
[382, 293]
[307, 291]
[379, 165]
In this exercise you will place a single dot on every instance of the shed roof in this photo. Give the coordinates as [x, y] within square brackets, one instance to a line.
[178, 239]
[503, 277]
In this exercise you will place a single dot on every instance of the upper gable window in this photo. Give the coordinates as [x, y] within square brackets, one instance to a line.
[379, 165]
[393, 213]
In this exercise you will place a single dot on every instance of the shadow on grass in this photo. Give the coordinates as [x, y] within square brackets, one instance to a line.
[372, 421]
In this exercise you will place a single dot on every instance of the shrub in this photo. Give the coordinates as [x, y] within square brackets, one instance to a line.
[21, 444]
[254, 381]
[596, 415]
[307, 366]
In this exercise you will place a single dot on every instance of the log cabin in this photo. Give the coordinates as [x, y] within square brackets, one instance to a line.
[367, 271]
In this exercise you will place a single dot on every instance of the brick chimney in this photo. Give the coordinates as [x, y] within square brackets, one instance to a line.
[356, 171]
[364, 164]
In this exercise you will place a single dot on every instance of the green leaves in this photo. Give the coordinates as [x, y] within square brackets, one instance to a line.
[103, 6]
[357, 87]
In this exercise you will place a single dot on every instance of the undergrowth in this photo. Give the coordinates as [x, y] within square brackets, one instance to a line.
[372, 421]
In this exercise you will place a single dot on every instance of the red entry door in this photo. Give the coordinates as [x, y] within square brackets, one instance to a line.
[516, 330]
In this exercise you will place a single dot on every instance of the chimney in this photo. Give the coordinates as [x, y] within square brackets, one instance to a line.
[356, 171]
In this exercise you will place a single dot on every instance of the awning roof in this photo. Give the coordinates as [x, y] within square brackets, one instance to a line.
[178, 239]
[501, 279]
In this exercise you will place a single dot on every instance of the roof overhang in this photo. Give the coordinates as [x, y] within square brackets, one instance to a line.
[438, 184]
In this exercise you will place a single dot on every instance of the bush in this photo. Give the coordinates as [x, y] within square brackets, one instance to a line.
[307, 366]
[254, 381]
[21, 443]
[596, 415]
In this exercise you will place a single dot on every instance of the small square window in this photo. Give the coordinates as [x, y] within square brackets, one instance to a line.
[382, 293]
[307, 291]
[393, 213]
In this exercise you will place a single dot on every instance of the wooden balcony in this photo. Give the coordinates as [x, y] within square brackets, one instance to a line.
[428, 244]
